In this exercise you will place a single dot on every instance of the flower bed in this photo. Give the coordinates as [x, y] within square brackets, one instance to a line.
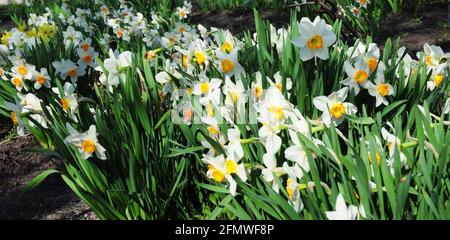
[154, 118]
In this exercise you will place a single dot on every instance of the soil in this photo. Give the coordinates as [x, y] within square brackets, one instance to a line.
[432, 27]
[51, 200]
[238, 20]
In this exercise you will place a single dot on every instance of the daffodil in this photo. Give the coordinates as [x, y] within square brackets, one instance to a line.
[355, 10]
[18, 82]
[227, 43]
[87, 142]
[235, 96]
[409, 65]
[437, 78]
[257, 87]
[271, 170]
[279, 82]
[342, 212]
[32, 106]
[293, 187]
[358, 75]
[432, 55]
[393, 144]
[315, 38]
[72, 37]
[87, 58]
[363, 3]
[24, 70]
[15, 113]
[116, 66]
[380, 90]
[68, 101]
[334, 107]
[3, 74]
[183, 12]
[67, 68]
[206, 86]
[274, 107]
[41, 78]
[370, 54]
[221, 169]
[198, 48]
[234, 146]
[228, 63]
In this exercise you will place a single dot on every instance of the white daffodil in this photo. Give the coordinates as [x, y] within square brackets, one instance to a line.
[199, 52]
[437, 78]
[315, 38]
[41, 78]
[67, 68]
[85, 45]
[30, 104]
[363, 3]
[273, 112]
[393, 144]
[342, 212]
[3, 74]
[168, 79]
[87, 58]
[16, 111]
[228, 63]
[24, 70]
[221, 169]
[116, 66]
[234, 146]
[268, 134]
[370, 54]
[380, 90]
[274, 107]
[72, 37]
[206, 86]
[257, 87]
[170, 39]
[235, 96]
[272, 170]
[87, 142]
[279, 82]
[293, 187]
[334, 108]
[18, 82]
[433, 55]
[227, 43]
[358, 75]
[410, 66]
[183, 12]
[355, 10]
[68, 98]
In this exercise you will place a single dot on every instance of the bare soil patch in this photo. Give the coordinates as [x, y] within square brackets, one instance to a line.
[51, 200]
